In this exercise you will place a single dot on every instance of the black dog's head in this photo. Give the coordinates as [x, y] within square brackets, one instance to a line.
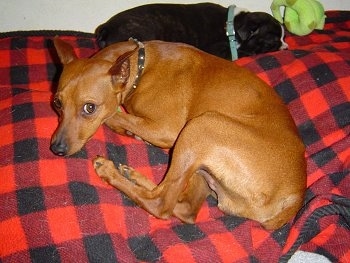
[258, 32]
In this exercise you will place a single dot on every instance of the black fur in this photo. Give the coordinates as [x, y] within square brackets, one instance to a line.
[201, 25]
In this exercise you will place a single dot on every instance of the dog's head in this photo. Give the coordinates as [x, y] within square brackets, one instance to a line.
[89, 92]
[258, 32]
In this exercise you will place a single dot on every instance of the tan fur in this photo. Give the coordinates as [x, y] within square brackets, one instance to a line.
[231, 134]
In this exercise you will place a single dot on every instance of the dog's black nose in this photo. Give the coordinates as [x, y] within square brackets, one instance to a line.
[59, 148]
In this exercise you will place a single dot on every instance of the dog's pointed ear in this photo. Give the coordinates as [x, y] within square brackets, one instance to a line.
[64, 50]
[120, 71]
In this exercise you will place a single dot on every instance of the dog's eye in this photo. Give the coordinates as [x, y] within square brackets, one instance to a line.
[57, 103]
[89, 108]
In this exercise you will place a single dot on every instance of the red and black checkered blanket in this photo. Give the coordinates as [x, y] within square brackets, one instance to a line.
[56, 209]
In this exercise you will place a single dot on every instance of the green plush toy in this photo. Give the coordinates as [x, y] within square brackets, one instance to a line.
[301, 17]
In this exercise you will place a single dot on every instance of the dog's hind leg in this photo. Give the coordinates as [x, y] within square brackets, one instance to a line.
[170, 198]
[190, 200]
[183, 189]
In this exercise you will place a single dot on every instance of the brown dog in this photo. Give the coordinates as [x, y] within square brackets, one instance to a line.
[231, 135]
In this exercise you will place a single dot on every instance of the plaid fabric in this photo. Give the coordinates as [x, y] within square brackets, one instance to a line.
[56, 209]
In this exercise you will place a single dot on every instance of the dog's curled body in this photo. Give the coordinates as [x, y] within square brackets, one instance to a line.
[202, 25]
[231, 134]
[165, 22]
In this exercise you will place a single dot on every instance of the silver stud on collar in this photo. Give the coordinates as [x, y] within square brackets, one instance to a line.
[140, 61]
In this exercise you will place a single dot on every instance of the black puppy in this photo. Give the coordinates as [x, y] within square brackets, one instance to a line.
[201, 25]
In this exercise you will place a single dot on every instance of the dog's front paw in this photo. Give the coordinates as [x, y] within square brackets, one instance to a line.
[98, 162]
[104, 168]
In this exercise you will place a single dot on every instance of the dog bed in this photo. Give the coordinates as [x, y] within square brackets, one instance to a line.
[56, 209]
